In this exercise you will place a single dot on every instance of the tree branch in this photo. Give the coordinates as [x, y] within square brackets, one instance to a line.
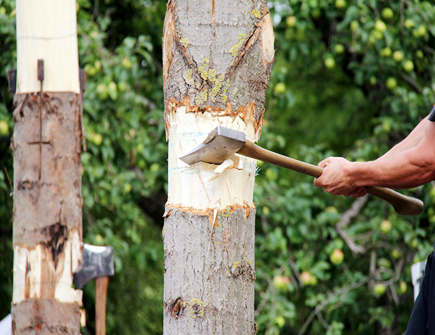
[325, 303]
[345, 219]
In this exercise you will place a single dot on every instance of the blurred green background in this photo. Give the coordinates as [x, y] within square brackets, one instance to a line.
[351, 78]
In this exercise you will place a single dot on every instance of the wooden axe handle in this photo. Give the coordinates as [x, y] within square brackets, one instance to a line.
[402, 204]
[100, 304]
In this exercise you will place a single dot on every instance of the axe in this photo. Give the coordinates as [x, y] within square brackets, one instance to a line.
[223, 142]
[97, 263]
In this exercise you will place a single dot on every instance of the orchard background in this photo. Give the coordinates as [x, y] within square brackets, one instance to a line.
[351, 78]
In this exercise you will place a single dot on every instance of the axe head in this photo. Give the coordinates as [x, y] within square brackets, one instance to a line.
[97, 261]
[220, 144]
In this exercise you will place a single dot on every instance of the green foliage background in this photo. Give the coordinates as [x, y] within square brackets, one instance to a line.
[351, 78]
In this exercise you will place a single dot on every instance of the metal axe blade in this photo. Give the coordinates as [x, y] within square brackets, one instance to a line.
[220, 144]
[97, 262]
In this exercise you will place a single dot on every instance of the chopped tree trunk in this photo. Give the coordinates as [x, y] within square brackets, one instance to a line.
[217, 60]
[47, 170]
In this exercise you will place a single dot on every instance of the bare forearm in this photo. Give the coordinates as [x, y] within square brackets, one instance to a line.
[408, 164]
[402, 169]
[413, 138]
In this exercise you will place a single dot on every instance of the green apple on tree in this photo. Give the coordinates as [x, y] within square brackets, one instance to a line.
[380, 26]
[336, 256]
[97, 65]
[155, 167]
[395, 253]
[271, 174]
[379, 289]
[398, 55]
[340, 3]
[387, 13]
[308, 279]
[408, 65]
[4, 128]
[391, 83]
[122, 86]
[126, 63]
[279, 88]
[127, 188]
[90, 70]
[291, 21]
[385, 226]
[280, 321]
[409, 23]
[339, 48]
[354, 25]
[402, 287]
[386, 52]
[329, 62]
[281, 283]
[96, 138]
[102, 91]
[331, 209]
[421, 31]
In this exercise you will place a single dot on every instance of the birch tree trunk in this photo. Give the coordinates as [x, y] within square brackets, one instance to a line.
[47, 214]
[217, 60]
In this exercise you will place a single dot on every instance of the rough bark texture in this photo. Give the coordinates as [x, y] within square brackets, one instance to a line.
[217, 58]
[218, 53]
[63, 318]
[47, 213]
[209, 273]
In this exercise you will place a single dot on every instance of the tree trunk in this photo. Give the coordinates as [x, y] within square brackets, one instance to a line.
[47, 170]
[217, 59]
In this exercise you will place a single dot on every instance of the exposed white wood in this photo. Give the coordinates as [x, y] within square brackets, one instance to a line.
[32, 269]
[47, 29]
[33, 280]
[64, 291]
[200, 186]
[20, 263]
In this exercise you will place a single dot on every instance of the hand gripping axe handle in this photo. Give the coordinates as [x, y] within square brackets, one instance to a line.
[223, 142]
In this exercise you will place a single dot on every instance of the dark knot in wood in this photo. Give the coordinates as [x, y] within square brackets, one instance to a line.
[176, 307]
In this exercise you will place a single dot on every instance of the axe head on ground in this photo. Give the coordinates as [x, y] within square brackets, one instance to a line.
[97, 262]
[220, 144]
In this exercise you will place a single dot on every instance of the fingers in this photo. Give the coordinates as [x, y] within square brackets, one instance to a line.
[358, 192]
[317, 182]
[325, 162]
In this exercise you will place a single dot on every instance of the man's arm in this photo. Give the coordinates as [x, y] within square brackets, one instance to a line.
[413, 138]
[408, 164]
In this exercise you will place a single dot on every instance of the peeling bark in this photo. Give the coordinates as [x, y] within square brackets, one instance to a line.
[217, 58]
[47, 213]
